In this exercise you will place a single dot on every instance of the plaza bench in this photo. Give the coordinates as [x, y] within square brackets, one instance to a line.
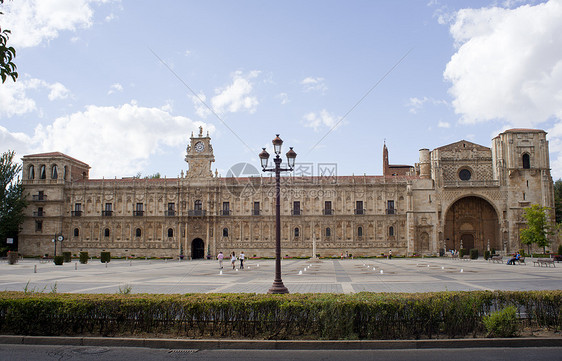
[496, 258]
[521, 260]
[545, 261]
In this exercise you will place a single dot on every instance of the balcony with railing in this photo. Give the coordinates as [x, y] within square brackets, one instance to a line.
[328, 212]
[170, 213]
[255, 212]
[106, 213]
[138, 213]
[471, 183]
[296, 212]
[359, 211]
[39, 197]
[390, 211]
[196, 212]
[39, 214]
[225, 212]
[76, 213]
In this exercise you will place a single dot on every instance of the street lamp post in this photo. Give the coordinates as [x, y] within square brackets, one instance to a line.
[278, 286]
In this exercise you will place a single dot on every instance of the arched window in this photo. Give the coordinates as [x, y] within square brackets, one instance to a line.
[42, 172]
[76, 232]
[31, 173]
[198, 205]
[106, 232]
[138, 232]
[54, 172]
[170, 232]
[297, 232]
[526, 161]
[225, 232]
[65, 172]
[391, 231]
[359, 231]
[328, 232]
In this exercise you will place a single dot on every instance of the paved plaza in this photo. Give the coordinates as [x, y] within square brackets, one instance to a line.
[299, 276]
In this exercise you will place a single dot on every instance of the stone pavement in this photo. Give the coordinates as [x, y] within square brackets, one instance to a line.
[299, 276]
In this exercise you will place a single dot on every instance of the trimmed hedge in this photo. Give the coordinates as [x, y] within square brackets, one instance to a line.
[294, 316]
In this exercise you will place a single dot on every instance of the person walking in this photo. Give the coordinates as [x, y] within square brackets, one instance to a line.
[233, 260]
[241, 260]
[220, 257]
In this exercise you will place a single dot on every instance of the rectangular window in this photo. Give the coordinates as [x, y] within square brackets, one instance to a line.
[77, 212]
[359, 207]
[296, 208]
[171, 210]
[139, 210]
[225, 208]
[390, 207]
[38, 226]
[108, 210]
[328, 208]
[256, 209]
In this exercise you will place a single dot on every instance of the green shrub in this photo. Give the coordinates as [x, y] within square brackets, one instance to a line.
[560, 249]
[462, 252]
[486, 255]
[84, 257]
[67, 257]
[105, 257]
[364, 316]
[474, 253]
[59, 260]
[522, 252]
[493, 251]
[502, 323]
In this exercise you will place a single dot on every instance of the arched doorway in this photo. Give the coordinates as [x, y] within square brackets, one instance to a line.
[474, 222]
[197, 248]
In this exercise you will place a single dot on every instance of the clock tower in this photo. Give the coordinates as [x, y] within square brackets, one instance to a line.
[200, 156]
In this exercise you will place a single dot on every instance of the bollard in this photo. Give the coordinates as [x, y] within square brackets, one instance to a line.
[220, 273]
[35, 269]
[105, 264]
[75, 266]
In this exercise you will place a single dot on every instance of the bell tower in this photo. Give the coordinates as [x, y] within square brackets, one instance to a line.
[199, 156]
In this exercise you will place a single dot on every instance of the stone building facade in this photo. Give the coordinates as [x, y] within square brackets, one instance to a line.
[458, 195]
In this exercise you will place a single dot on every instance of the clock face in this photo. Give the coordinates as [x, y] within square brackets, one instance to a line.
[60, 238]
[199, 147]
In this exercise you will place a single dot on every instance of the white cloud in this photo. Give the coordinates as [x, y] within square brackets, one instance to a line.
[199, 102]
[58, 91]
[35, 21]
[114, 88]
[442, 124]
[284, 98]
[416, 104]
[15, 98]
[322, 119]
[508, 65]
[236, 96]
[314, 84]
[112, 140]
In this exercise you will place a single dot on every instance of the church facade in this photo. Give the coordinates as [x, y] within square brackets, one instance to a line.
[461, 195]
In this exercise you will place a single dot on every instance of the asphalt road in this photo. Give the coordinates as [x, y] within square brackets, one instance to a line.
[61, 353]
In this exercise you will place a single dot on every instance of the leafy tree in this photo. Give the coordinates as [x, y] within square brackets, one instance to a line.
[7, 55]
[12, 200]
[558, 200]
[538, 227]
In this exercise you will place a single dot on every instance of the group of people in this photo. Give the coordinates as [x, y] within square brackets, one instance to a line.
[233, 259]
[516, 257]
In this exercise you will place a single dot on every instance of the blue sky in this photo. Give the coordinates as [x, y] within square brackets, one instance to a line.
[119, 84]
